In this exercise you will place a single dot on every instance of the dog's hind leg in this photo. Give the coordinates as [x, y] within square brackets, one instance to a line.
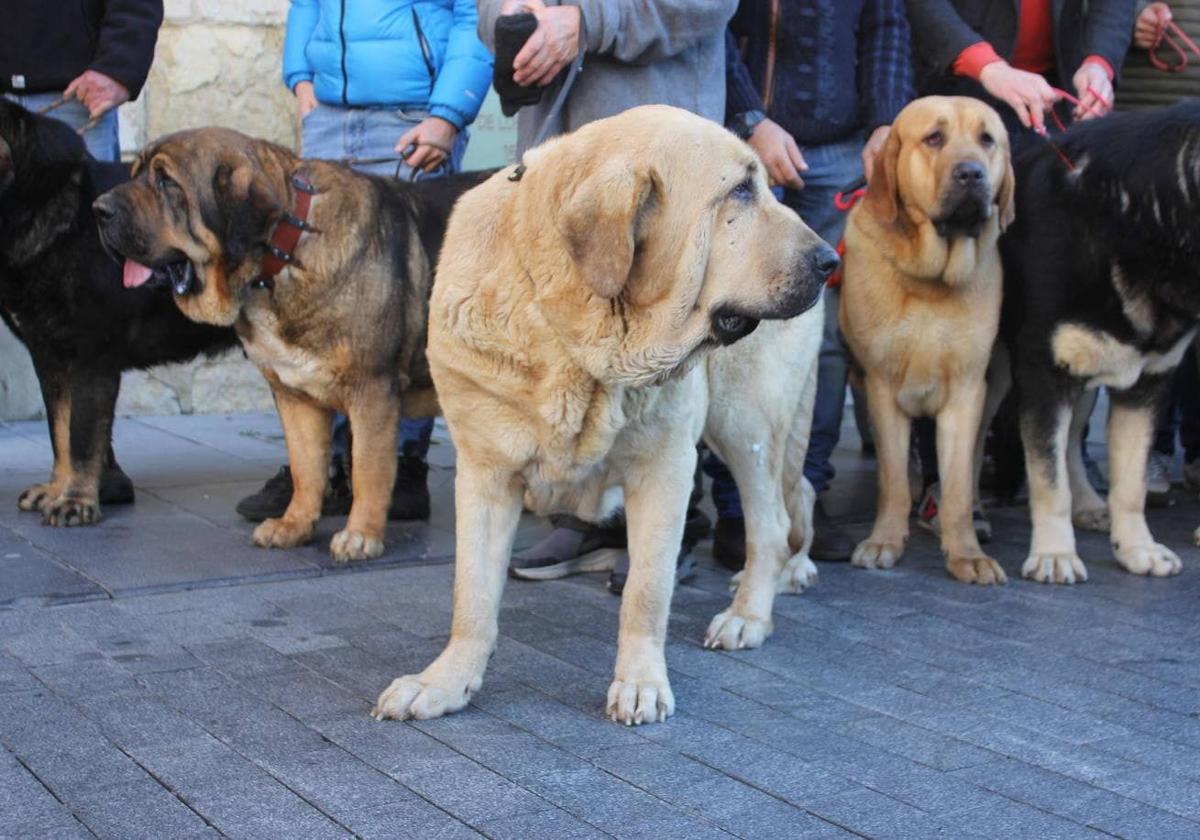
[374, 417]
[1045, 430]
[488, 508]
[93, 399]
[1088, 510]
[1130, 429]
[307, 428]
[56, 396]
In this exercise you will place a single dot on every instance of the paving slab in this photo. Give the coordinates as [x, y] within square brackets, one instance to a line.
[159, 677]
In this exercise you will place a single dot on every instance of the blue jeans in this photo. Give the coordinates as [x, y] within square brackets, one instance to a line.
[831, 169]
[336, 133]
[101, 139]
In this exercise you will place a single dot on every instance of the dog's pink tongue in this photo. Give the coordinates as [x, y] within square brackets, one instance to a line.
[135, 274]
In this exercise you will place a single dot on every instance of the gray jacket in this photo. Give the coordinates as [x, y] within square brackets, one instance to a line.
[668, 52]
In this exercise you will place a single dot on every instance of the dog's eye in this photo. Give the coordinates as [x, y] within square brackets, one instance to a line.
[744, 191]
[163, 180]
[987, 140]
[935, 140]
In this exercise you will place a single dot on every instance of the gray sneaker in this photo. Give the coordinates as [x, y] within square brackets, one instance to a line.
[572, 548]
[1158, 478]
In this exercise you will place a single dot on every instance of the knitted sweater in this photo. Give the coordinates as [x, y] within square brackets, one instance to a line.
[822, 69]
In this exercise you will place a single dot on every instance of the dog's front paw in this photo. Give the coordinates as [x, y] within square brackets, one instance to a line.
[1054, 568]
[1092, 519]
[418, 697]
[37, 496]
[877, 554]
[65, 512]
[1149, 559]
[730, 631]
[282, 533]
[982, 570]
[637, 701]
[350, 545]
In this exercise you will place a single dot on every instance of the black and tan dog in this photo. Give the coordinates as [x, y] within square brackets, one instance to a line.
[337, 322]
[61, 295]
[1102, 287]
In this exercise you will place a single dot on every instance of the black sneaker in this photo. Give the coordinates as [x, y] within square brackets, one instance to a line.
[830, 543]
[115, 487]
[410, 493]
[272, 500]
[695, 529]
[729, 543]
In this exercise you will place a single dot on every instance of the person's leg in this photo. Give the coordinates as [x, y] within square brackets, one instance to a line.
[832, 168]
[1186, 381]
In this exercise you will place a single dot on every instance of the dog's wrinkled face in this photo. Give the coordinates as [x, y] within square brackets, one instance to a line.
[196, 214]
[946, 162]
[670, 237]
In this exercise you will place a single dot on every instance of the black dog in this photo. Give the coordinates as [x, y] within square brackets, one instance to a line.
[1102, 287]
[62, 295]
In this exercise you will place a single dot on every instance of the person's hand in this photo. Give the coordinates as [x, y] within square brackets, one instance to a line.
[97, 92]
[874, 146]
[1094, 89]
[551, 47]
[306, 100]
[1028, 94]
[1150, 23]
[433, 139]
[779, 153]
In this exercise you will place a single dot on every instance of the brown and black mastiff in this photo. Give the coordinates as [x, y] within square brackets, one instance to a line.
[340, 327]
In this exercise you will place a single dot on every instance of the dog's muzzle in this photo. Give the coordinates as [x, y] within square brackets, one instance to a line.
[966, 202]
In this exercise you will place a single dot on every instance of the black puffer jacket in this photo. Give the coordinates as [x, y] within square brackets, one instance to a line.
[44, 44]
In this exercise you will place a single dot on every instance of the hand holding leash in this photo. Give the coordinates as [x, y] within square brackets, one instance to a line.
[1095, 91]
[98, 93]
[779, 153]
[427, 145]
[1151, 24]
[1028, 94]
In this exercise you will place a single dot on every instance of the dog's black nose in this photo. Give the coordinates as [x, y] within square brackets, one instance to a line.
[825, 261]
[104, 208]
[969, 172]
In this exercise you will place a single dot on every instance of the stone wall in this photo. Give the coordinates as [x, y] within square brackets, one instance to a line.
[217, 63]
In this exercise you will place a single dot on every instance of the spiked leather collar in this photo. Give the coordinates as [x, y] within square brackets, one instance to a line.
[281, 246]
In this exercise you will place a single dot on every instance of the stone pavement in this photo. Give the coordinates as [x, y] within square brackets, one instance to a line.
[161, 678]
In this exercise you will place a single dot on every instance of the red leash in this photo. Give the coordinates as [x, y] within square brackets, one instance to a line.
[844, 202]
[1168, 34]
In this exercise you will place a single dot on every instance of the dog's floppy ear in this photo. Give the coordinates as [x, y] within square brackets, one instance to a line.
[883, 189]
[245, 211]
[1006, 195]
[600, 223]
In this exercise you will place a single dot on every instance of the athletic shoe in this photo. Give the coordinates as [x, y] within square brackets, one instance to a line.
[695, 529]
[273, 498]
[410, 493]
[1158, 478]
[573, 547]
[830, 543]
[927, 515]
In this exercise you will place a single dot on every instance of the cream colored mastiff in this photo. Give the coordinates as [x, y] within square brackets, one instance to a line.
[568, 325]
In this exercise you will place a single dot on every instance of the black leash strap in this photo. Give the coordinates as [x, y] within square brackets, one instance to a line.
[552, 115]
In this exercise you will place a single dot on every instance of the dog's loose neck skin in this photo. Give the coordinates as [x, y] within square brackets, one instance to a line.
[921, 254]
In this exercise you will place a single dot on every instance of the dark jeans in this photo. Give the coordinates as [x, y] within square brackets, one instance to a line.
[1180, 412]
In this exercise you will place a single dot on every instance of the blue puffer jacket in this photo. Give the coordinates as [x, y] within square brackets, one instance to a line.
[390, 53]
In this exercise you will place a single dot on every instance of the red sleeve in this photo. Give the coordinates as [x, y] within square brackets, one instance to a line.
[973, 59]
[1103, 62]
